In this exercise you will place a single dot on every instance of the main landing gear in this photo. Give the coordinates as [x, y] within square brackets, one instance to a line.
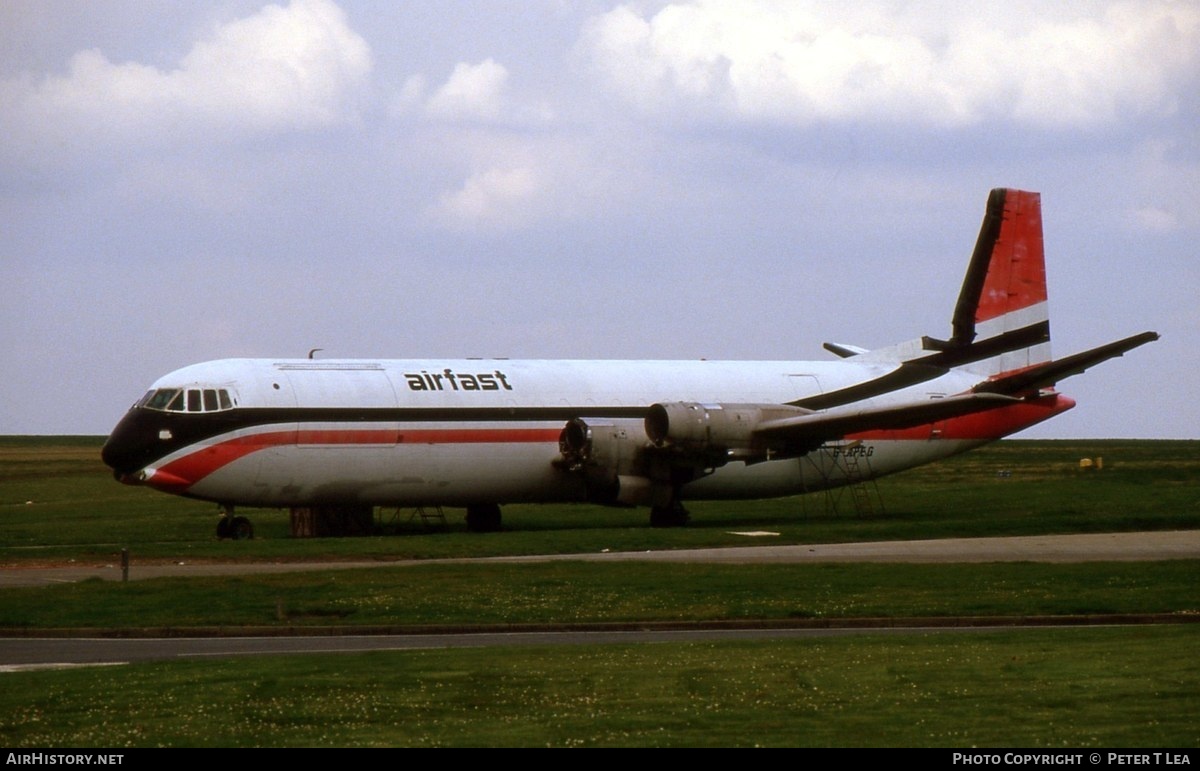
[666, 510]
[234, 528]
[483, 518]
[671, 515]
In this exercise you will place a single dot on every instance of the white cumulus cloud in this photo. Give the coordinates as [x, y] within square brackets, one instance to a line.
[497, 198]
[473, 91]
[284, 68]
[927, 64]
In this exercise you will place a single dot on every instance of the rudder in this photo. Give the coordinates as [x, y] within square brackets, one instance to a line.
[1001, 323]
[1003, 301]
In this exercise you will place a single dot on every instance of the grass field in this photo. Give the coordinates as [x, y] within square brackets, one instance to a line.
[583, 593]
[1073, 687]
[1059, 689]
[58, 502]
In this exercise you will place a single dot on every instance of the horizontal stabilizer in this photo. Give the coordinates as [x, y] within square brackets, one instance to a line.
[845, 351]
[1043, 375]
[805, 430]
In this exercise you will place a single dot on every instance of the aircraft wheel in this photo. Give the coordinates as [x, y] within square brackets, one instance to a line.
[669, 516]
[484, 518]
[223, 528]
[240, 529]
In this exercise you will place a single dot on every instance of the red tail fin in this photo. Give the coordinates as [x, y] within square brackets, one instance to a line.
[1002, 305]
[1001, 324]
[1016, 276]
[1007, 273]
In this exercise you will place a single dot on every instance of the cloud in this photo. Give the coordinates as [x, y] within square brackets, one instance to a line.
[409, 97]
[1154, 219]
[933, 65]
[473, 91]
[282, 69]
[497, 198]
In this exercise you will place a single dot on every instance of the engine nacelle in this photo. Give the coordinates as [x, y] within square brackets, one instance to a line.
[611, 456]
[692, 426]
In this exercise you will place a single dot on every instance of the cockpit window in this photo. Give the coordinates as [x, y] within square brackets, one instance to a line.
[161, 398]
[191, 400]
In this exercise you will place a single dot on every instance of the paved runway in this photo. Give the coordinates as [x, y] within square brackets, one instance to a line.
[1095, 547]
[18, 654]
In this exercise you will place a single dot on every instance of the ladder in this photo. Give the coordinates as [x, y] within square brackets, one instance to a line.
[859, 487]
[431, 517]
[864, 492]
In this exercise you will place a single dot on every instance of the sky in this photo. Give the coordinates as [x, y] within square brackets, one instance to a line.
[184, 181]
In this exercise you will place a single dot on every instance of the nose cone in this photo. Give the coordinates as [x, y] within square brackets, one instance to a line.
[131, 445]
[116, 455]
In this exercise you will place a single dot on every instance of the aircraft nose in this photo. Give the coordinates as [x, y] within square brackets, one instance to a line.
[129, 448]
[118, 456]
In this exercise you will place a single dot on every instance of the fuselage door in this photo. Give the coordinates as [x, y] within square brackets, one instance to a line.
[274, 397]
[935, 429]
[351, 405]
[803, 386]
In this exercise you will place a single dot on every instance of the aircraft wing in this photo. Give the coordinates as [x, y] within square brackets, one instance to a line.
[1051, 372]
[819, 427]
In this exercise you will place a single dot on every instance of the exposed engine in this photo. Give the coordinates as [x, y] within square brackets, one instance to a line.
[631, 462]
[611, 454]
[716, 434]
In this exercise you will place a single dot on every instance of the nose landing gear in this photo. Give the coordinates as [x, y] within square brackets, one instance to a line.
[234, 528]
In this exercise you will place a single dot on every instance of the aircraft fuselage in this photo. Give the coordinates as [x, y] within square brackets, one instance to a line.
[458, 432]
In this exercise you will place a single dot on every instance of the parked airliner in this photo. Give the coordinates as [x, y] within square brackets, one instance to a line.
[343, 436]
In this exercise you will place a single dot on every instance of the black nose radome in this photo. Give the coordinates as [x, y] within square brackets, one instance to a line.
[132, 444]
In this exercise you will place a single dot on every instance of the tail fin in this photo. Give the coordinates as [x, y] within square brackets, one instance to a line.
[1002, 320]
[1007, 273]
[1001, 323]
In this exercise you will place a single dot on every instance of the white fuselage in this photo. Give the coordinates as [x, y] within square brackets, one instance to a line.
[465, 431]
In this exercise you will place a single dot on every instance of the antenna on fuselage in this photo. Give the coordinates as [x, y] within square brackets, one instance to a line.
[313, 351]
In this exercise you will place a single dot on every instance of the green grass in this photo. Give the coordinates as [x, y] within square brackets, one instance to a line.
[1086, 687]
[58, 502]
[1078, 688]
[574, 592]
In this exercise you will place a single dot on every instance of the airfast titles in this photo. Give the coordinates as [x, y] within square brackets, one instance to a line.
[449, 380]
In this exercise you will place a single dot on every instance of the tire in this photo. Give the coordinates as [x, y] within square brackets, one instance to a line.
[673, 516]
[240, 529]
[483, 518]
